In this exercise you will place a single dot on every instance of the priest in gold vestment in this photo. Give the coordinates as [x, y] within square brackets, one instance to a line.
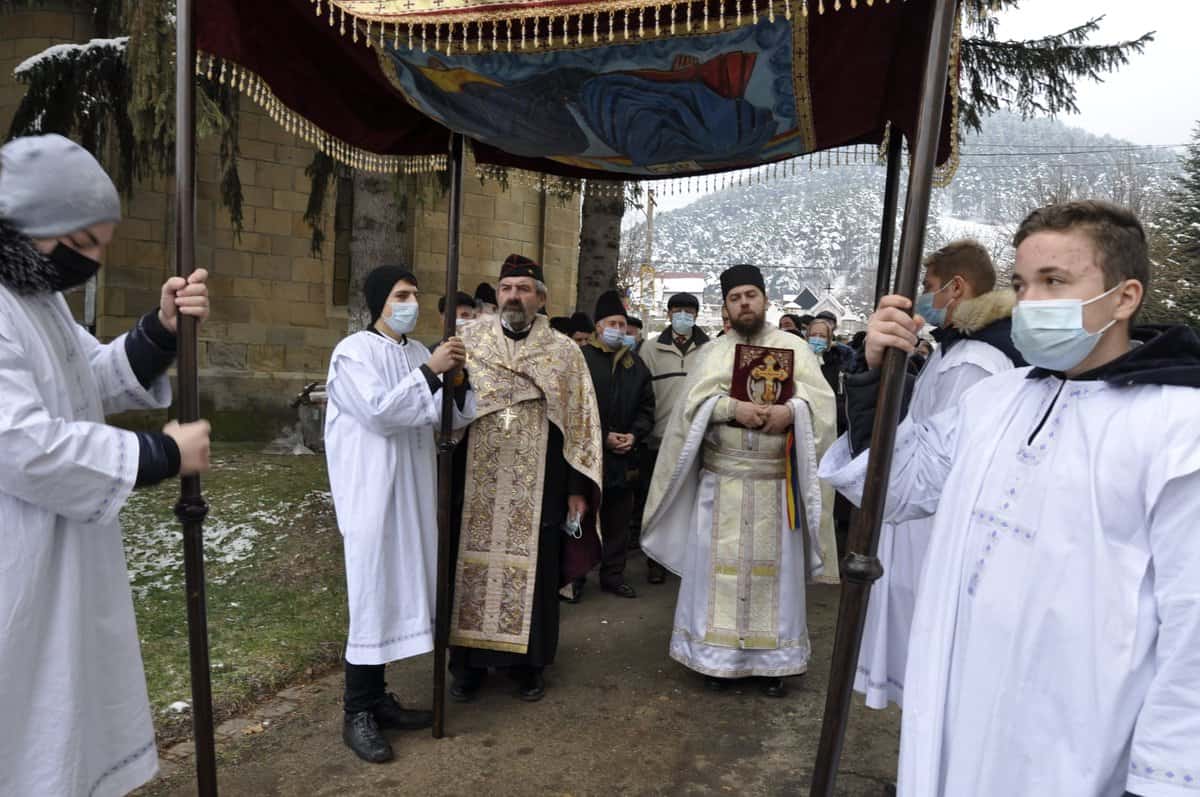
[734, 506]
[526, 473]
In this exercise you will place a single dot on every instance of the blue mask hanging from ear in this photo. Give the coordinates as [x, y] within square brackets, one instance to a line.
[935, 316]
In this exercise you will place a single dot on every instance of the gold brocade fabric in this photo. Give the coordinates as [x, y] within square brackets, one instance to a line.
[521, 388]
[743, 595]
[711, 377]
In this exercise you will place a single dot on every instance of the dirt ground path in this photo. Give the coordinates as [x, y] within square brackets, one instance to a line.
[619, 718]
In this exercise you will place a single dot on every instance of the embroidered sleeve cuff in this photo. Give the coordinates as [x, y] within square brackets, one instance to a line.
[724, 411]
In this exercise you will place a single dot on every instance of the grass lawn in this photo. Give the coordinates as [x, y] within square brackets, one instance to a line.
[276, 585]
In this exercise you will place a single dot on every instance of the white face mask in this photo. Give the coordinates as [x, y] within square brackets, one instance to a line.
[612, 337]
[682, 323]
[403, 319]
[1050, 334]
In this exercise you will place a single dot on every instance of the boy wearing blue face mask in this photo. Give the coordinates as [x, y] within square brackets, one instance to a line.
[669, 357]
[1058, 615]
[625, 400]
[385, 400]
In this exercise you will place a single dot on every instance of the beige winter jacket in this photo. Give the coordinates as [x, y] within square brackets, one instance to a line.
[668, 370]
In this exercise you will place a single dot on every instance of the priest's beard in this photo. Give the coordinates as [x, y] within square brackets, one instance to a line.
[748, 326]
[514, 316]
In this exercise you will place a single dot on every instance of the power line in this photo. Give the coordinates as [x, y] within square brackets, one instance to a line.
[1049, 149]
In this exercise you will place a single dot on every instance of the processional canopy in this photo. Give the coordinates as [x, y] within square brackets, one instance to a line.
[602, 89]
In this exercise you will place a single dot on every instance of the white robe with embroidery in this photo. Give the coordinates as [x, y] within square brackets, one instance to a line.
[1055, 648]
[679, 517]
[884, 650]
[74, 714]
[379, 445]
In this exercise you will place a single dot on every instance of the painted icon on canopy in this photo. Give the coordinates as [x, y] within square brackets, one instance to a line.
[708, 101]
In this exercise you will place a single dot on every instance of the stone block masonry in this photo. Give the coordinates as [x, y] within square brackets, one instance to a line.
[274, 323]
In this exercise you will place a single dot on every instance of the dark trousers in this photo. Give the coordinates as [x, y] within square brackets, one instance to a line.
[365, 687]
[615, 512]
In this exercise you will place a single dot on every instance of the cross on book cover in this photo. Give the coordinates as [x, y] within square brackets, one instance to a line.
[762, 375]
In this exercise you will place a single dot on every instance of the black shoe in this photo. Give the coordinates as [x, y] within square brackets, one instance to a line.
[361, 734]
[655, 573]
[714, 684]
[774, 687]
[390, 714]
[466, 689]
[533, 687]
[621, 591]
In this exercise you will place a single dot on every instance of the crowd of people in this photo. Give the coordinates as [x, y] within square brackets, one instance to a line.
[1039, 615]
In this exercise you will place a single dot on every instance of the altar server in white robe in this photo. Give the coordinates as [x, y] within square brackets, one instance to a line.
[974, 334]
[385, 401]
[1055, 648]
[74, 715]
[717, 512]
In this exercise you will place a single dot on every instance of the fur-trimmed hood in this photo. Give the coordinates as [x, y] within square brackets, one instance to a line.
[23, 269]
[986, 319]
[975, 314]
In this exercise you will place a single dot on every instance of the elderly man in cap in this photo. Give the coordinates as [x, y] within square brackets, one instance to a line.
[735, 505]
[669, 357]
[530, 467]
[626, 403]
[73, 697]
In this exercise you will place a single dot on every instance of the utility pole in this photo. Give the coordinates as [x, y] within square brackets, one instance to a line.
[647, 281]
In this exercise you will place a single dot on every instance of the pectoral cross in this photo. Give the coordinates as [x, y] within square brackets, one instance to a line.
[770, 373]
[508, 416]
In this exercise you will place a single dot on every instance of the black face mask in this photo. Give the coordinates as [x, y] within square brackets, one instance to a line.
[71, 268]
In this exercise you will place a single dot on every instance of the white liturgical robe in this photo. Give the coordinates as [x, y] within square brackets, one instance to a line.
[902, 546]
[74, 715]
[379, 444]
[1055, 647]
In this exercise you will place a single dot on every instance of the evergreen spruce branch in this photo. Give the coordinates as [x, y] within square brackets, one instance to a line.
[1035, 76]
[83, 92]
[320, 172]
[226, 100]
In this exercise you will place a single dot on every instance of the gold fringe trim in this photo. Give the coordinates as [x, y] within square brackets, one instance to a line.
[374, 22]
[251, 85]
[944, 174]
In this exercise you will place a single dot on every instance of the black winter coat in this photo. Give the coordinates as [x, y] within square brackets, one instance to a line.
[625, 397]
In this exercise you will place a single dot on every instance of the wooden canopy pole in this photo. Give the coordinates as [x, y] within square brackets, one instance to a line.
[446, 447]
[861, 566]
[887, 236]
[191, 509]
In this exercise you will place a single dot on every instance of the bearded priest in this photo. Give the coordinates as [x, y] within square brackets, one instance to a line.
[526, 472]
[734, 506]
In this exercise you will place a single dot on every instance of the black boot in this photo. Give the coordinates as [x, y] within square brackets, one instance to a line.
[465, 687]
[655, 573]
[390, 714]
[533, 687]
[774, 687]
[714, 684]
[361, 734]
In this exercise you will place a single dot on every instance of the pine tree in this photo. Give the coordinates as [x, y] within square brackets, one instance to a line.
[1175, 247]
[1031, 77]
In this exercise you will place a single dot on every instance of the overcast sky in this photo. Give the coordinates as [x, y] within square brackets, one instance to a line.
[1153, 100]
